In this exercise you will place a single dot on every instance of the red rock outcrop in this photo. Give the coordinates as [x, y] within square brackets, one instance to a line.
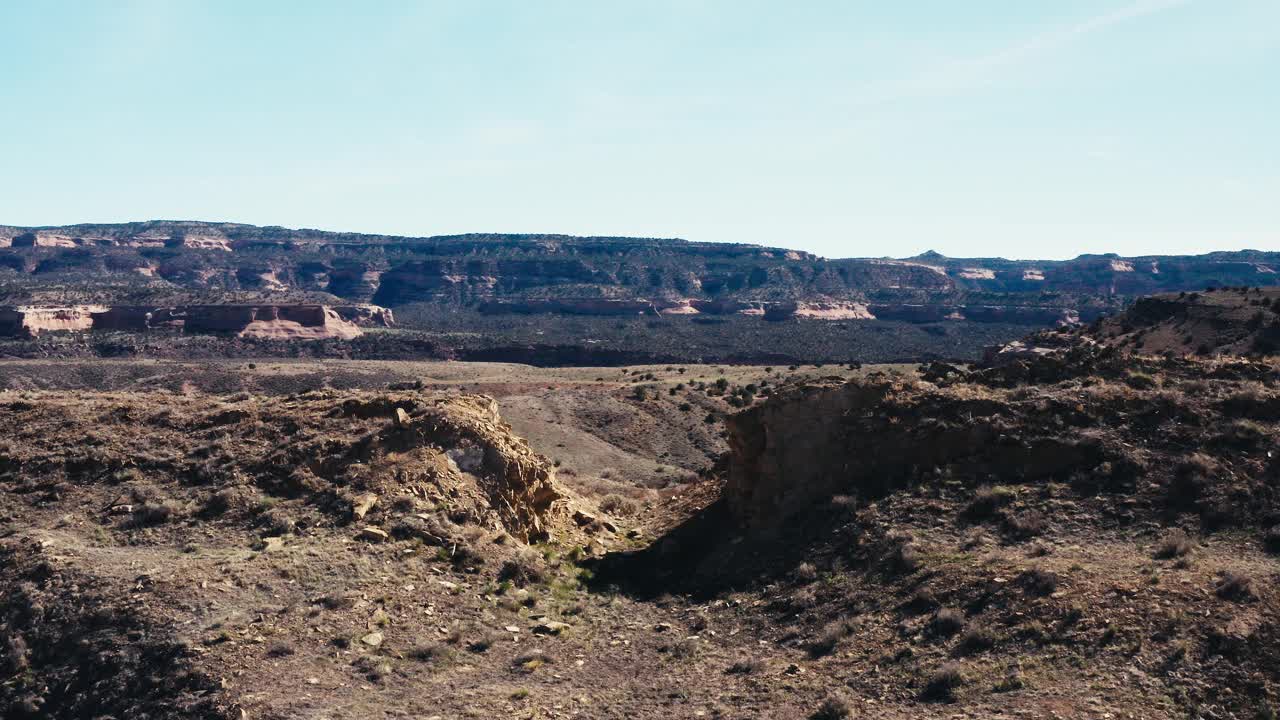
[366, 315]
[26, 321]
[44, 239]
[818, 311]
[272, 322]
[284, 322]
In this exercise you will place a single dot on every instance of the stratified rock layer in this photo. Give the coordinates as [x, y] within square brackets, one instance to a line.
[589, 275]
[274, 322]
[26, 321]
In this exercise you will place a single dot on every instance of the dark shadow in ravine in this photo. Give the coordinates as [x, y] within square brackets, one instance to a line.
[709, 554]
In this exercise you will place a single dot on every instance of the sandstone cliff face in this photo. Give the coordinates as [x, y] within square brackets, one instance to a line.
[366, 315]
[777, 311]
[31, 321]
[282, 322]
[298, 322]
[135, 318]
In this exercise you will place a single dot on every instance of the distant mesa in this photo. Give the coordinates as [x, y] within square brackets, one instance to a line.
[166, 263]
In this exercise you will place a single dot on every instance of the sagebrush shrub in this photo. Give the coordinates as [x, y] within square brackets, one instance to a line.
[943, 682]
[947, 622]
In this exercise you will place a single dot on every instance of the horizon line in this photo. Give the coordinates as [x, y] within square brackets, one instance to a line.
[917, 256]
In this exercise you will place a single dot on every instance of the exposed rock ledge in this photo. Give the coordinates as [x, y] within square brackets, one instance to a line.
[27, 321]
[832, 310]
[284, 322]
[865, 438]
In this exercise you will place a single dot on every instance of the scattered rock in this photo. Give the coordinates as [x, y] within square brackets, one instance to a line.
[269, 544]
[552, 627]
[373, 534]
[373, 639]
[363, 505]
[402, 418]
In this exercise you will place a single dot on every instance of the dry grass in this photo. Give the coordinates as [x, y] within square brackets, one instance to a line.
[987, 500]
[616, 504]
[1038, 581]
[1236, 587]
[832, 708]
[1175, 544]
[975, 640]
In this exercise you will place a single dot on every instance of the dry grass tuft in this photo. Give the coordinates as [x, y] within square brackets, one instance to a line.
[1175, 544]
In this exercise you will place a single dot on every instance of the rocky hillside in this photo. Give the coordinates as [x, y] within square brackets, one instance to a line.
[1076, 535]
[1224, 321]
[1232, 321]
[193, 262]
[178, 512]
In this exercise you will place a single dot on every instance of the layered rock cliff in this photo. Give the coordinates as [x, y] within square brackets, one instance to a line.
[263, 321]
[29, 321]
[134, 263]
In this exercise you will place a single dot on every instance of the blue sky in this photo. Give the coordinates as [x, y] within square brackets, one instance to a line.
[1022, 128]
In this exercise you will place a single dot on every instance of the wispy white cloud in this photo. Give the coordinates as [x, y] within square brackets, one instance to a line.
[962, 74]
[976, 70]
